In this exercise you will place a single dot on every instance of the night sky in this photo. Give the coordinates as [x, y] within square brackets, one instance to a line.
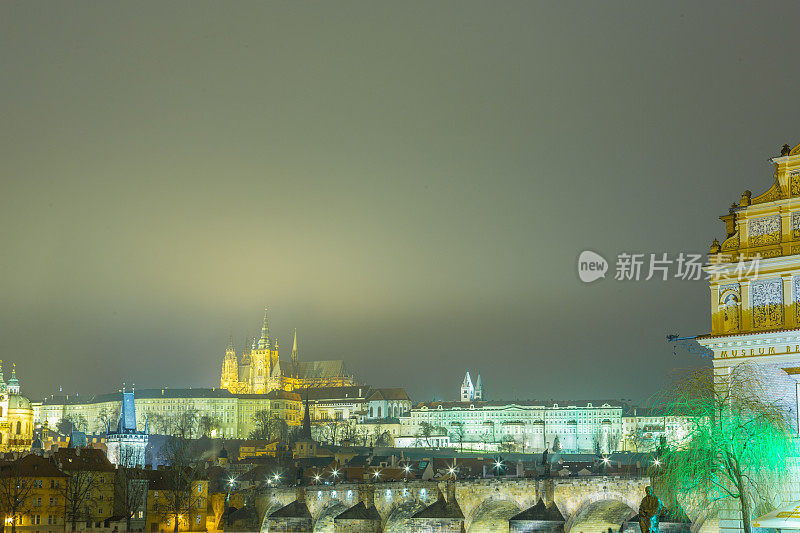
[407, 184]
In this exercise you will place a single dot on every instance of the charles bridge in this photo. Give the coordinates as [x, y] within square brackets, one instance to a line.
[586, 503]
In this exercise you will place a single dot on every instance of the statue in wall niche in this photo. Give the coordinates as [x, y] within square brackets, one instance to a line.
[649, 510]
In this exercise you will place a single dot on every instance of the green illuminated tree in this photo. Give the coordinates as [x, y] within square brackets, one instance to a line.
[735, 447]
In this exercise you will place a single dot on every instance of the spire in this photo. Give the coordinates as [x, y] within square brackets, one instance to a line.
[295, 351]
[230, 349]
[467, 390]
[263, 342]
[13, 383]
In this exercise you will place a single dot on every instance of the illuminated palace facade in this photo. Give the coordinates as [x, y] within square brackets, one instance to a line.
[755, 312]
[260, 370]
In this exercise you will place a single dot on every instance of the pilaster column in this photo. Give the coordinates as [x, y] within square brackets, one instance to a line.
[747, 311]
[789, 319]
[786, 232]
[716, 318]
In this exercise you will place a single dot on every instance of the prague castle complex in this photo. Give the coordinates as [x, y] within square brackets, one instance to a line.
[260, 369]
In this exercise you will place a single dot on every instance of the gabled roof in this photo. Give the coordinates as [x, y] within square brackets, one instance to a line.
[396, 393]
[30, 466]
[91, 459]
[321, 369]
[283, 395]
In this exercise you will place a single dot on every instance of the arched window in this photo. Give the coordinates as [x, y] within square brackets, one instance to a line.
[730, 313]
[19, 427]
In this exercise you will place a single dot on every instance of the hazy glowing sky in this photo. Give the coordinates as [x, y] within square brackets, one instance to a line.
[408, 184]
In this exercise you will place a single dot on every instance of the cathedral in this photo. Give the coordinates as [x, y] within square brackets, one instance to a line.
[260, 370]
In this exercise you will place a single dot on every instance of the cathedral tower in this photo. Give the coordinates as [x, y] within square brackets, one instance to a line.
[467, 389]
[230, 369]
[260, 365]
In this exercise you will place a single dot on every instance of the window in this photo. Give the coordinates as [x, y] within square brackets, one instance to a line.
[38, 519]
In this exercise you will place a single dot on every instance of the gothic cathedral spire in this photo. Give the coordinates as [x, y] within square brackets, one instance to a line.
[295, 351]
[263, 342]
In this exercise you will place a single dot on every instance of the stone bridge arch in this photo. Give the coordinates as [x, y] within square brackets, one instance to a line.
[318, 498]
[323, 520]
[270, 501]
[491, 515]
[395, 521]
[471, 495]
[600, 511]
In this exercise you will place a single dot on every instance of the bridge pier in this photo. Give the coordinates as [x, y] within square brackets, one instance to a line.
[487, 505]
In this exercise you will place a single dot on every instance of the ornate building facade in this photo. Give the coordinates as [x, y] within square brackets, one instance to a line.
[532, 426]
[755, 296]
[16, 415]
[260, 369]
[755, 303]
[232, 414]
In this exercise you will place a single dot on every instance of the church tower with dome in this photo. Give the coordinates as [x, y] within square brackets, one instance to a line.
[16, 415]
